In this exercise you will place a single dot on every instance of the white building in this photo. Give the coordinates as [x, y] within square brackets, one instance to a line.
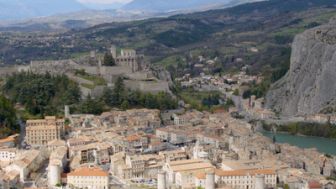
[183, 173]
[57, 161]
[243, 179]
[88, 177]
[7, 154]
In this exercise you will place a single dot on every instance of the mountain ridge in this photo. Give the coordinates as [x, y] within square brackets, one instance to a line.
[30, 9]
[176, 5]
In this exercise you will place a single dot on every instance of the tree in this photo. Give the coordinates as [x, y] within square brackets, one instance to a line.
[42, 93]
[107, 96]
[118, 94]
[124, 105]
[91, 106]
[109, 60]
[7, 117]
[236, 92]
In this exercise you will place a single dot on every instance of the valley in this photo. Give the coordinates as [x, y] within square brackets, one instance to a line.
[227, 34]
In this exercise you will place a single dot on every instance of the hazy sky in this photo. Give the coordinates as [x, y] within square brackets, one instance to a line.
[104, 1]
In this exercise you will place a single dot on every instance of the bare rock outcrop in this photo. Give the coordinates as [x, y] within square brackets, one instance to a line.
[310, 85]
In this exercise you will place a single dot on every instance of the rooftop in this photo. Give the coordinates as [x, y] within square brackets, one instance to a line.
[220, 172]
[88, 171]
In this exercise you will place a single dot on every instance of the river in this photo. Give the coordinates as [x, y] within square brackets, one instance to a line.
[324, 145]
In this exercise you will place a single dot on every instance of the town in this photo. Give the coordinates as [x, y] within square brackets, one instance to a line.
[140, 148]
[151, 148]
[156, 94]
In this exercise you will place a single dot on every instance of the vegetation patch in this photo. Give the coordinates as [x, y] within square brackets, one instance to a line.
[42, 94]
[95, 79]
[309, 129]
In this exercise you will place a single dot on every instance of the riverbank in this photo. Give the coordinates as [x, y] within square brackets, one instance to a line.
[303, 129]
[324, 145]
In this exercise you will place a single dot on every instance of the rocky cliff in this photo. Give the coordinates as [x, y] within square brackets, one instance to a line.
[310, 85]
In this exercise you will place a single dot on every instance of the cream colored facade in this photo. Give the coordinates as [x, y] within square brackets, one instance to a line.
[245, 179]
[40, 132]
[90, 178]
[183, 173]
[138, 166]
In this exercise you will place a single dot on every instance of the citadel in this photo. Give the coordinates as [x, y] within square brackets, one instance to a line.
[131, 66]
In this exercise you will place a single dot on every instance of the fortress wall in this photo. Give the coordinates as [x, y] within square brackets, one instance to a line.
[148, 86]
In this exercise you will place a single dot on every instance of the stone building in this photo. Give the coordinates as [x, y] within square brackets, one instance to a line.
[40, 132]
[27, 163]
[136, 166]
[88, 177]
[128, 58]
[182, 173]
[98, 152]
[8, 154]
[242, 179]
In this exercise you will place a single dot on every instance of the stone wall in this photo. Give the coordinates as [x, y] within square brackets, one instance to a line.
[148, 86]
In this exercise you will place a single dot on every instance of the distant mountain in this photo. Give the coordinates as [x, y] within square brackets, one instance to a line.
[99, 6]
[228, 34]
[176, 5]
[21, 9]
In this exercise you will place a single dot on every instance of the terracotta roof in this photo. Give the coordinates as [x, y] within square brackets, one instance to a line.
[191, 167]
[200, 175]
[8, 139]
[87, 171]
[132, 138]
[189, 161]
[314, 184]
[156, 143]
[220, 172]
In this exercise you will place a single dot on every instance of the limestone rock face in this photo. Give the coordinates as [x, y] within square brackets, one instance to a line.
[310, 85]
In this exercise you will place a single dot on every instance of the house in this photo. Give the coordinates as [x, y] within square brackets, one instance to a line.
[8, 154]
[242, 179]
[88, 177]
[29, 162]
[183, 173]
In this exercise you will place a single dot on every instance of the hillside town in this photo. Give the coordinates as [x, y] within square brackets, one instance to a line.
[151, 148]
[199, 94]
[134, 149]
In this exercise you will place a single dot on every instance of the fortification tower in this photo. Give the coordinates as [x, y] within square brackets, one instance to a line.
[210, 180]
[259, 182]
[114, 51]
[162, 180]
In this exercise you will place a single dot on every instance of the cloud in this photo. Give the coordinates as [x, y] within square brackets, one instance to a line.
[104, 1]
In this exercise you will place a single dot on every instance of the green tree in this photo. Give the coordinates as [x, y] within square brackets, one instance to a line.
[91, 106]
[124, 105]
[109, 60]
[42, 93]
[118, 93]
[236, 92]
[7, 117]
